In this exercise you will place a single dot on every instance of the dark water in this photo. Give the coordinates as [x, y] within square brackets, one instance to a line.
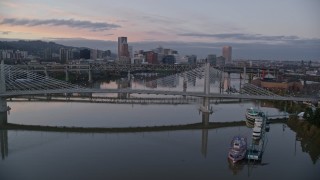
[154, 155]
[188, 154]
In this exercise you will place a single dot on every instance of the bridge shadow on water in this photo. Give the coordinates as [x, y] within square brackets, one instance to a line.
[211, 125]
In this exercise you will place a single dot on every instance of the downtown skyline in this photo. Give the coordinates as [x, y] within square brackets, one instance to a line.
[255, 29]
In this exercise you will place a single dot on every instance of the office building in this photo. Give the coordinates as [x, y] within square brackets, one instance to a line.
[123, 48]
[227, 53]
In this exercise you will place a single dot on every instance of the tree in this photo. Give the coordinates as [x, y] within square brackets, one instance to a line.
[308, 114]
[316, 117]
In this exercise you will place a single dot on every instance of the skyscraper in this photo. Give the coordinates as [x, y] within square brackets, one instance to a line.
[123, 49]
[63, 55]
[227, 53]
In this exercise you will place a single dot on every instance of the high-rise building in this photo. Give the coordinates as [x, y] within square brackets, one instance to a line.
[63, 55]
[227, 53]
[123, 49]
[151, 57]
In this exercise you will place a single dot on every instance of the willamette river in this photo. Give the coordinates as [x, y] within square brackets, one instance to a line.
[184, 154]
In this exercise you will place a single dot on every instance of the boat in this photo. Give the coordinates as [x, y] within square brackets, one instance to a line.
[267, 128]
[258, 122]
[238, 149]
[256, 132]
[252, 114]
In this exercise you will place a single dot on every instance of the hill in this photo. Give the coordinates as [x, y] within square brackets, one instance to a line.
[33, 47]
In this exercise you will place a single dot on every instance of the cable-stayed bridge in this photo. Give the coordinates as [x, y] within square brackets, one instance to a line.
[16, 82]
[19, 82]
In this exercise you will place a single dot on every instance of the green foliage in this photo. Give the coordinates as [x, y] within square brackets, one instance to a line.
[316, 117]
[308, 114]
[312, 116]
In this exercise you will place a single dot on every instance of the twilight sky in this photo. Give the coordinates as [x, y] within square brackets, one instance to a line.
[280, 29]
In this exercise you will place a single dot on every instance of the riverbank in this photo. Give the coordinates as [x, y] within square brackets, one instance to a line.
[308, 135]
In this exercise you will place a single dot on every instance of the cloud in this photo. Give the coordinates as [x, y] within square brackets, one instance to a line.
[241, 36]
[5, 32]
[93, 26]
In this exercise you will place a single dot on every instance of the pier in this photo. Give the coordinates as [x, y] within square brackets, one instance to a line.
[256, 149]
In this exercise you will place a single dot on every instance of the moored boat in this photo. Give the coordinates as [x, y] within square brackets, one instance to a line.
[256, 132]
[252, 114]
[238, 149]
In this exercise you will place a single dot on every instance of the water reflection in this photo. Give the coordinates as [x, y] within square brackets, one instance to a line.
[3, 117]
[4, 143]
[236, 168]
[204, 144]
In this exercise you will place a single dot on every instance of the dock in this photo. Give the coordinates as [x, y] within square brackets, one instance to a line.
[257, 147]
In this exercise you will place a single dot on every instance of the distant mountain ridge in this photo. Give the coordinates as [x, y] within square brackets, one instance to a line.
[35, 47]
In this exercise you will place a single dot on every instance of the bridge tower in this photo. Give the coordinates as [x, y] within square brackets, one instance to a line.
[184, 83]
[90, 74]
[46, 71]
[67, 73]
[205, 107]
[3, 101]
[244, 78]
[229, 83]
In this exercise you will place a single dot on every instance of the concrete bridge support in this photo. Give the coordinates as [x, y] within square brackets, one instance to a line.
[3, 111]
[3, 101]
[2, 78]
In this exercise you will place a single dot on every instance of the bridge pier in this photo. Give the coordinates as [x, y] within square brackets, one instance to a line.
[3, 101]
[205, 109]
[3, 111]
